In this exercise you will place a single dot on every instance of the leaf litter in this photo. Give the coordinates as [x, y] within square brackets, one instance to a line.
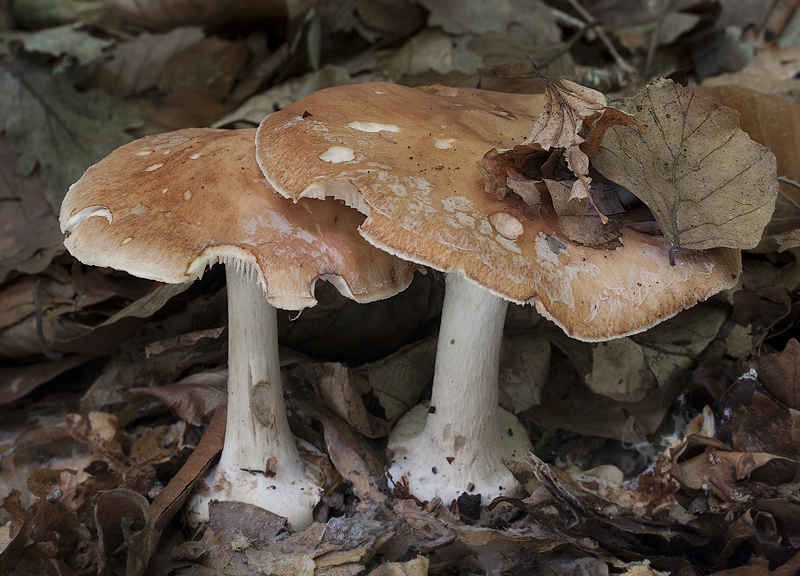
[672, 451]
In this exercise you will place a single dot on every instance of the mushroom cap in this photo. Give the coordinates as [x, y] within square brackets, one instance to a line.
[408, 159]
[167, 206]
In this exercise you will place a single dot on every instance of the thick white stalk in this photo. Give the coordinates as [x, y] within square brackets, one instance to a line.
[257, 427]
[459, 443]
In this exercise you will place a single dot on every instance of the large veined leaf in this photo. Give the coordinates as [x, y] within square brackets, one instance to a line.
[706, 182]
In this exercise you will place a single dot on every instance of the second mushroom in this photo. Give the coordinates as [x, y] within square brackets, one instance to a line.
[407, 158]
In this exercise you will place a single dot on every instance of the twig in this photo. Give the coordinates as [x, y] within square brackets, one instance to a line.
[570, 43]
[651, 49]
[621, 62]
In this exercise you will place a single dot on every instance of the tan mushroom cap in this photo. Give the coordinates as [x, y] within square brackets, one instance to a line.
[408, 159]
[167, 206]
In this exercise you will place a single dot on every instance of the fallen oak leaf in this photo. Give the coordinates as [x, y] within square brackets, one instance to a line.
[706, 182]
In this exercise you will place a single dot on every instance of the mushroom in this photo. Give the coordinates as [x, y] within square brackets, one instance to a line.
[407, 159]
[167, 206]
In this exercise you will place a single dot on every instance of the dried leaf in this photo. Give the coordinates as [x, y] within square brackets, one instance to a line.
[169, 501]
[200, 84]
[126, 535]
[68, 40]
[162, 15]
[416, 567]
[337, 389]
[193, 398]
[17, 381]
[705, 181]
[560, 123]
[49, 123]
[134, 66]
[259, 526]
[588, 219]
[620, 371]
[398, 380]
[29, 233]
[456, 17]
[780, 374]
[524, 363]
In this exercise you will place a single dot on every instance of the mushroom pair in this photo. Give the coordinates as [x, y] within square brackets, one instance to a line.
[167, 206]
[407, 159]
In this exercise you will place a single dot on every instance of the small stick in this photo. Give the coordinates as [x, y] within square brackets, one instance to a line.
[621, 62]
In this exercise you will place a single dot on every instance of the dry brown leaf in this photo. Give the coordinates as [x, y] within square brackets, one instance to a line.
[775, 123]
[17, 381]
[174, 494]
[705, 181]
[620, 371]
[398, 380]
[133, 67]
[339, 390]
[29, 232]
[524, 363]
[416, 567]
[126, 535]
[560, 123]
[587, 219]
[163, 15]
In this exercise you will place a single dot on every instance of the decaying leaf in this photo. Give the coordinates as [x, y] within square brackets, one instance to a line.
[126, 535]
[560, 124]
[29, 233]
[134, 66]
[705, 181]
[398, 380]
[68, 40]
[49, 123]
[160, 15]
[175, 493]
[339, 390]
[620, 371]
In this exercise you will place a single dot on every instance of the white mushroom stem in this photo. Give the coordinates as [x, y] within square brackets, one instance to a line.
[459, 443]
[257, 427]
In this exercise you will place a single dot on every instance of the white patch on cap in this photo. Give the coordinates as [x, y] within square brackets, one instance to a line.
[196, 156]
[506, 225]
[445, 143]
[144, 153]
[373, 127]
[126, 240]
[164, 191]
[337, 154]
[154, 167]
[187, 195]
[140, 209]
[88, 212]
